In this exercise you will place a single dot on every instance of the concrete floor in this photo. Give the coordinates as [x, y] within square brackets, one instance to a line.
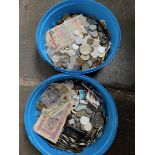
[118, 76]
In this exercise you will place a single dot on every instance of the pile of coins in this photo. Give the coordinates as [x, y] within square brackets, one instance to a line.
[86, 120]
[88, 49]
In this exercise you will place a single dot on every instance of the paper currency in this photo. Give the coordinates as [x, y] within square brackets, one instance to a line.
[50, 127]
[62, 35]
[50, 96]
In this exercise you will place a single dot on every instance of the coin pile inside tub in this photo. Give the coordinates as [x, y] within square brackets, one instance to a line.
[71, 115]
[78, 42]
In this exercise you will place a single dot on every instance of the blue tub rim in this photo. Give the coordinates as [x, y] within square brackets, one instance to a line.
[103, 64]
[58, 77]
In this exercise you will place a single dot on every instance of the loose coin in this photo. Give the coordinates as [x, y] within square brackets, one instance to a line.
[85, 66]
[82, 144]
[79, 61]
[93, 27]
[69, 83]
[84, 102]
[85, 49]
[80, 113]
[55, 58]
[80, 107]
[75, 47]
[87, 127]
[86, 24]
[101, 49]
[78, 40]
[95, 54]
[98, 120]
[89, 20]
[71, 52]
[94, 34]
[90, 41]
[102, 55]
[96, 42]
[89, 62]
[71, 121]
[84, 120]
[85, 57]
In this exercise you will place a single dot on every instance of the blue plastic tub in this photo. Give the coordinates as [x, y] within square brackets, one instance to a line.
[99, 147]
[87, 7]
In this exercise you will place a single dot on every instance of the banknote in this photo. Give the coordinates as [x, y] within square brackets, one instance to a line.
[50, 42]
[50, 96]
[62, 35]
[74, 24]
[55, 96]
[50, 127]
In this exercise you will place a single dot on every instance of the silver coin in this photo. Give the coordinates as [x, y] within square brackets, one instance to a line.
[71, 52]
[55, 58]
[85, 66]
[64, 65]
[85, 57]
[95, 54]
[73, 60]
[89, 20]
[84, 120]
[89, 111]
[86, 24]
[94, 34]
[75, 47]
[70, 83]
[85, 49]
[71, 121]
[101, 49]
[71, 140]
[84, 41]
[93, 27]
[102, 55]
[69, 66]
[88, 127]
[90, 63]
[101, 34]
[77, 53]
[82, 144]
[78, 40]
[96, 42]
[84, 102]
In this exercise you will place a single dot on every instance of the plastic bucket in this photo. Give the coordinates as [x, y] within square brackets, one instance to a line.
[99, 147]
[87, 7]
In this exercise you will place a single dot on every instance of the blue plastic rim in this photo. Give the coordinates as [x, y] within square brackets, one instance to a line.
[86, 7]
[99, 147]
